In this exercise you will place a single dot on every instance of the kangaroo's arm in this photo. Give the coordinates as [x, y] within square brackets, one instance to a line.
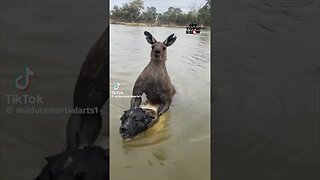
[138, 90]
[164, 105]
[136, 101]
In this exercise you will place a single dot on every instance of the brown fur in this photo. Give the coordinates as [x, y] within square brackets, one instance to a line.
[154, 80]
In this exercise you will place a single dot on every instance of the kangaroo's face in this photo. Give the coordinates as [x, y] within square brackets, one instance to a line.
[159, 49]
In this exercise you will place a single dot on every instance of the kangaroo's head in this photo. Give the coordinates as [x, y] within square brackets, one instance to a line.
[159, 49]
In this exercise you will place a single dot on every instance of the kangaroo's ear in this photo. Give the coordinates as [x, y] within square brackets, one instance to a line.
[151, 40]
[170, 40]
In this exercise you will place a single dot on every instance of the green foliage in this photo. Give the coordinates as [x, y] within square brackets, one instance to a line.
[204, 14]
[150, 15]
[170, 16]
[128, 12]
[132, 12]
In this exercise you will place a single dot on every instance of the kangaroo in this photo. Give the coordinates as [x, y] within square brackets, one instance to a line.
[82, 160]
[154, 80]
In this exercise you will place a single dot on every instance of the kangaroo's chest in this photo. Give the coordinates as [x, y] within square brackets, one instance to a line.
[155, 82]
[154, 92]
[155, 87]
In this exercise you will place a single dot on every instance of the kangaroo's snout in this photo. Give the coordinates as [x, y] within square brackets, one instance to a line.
[157, 53]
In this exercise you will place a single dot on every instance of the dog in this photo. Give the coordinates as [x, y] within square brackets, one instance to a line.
[86, 163]
[137, 120]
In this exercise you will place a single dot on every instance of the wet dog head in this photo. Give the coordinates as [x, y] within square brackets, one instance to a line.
[135, 121]
[81, 164]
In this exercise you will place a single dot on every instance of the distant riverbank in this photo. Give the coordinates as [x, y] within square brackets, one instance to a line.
[151, 24]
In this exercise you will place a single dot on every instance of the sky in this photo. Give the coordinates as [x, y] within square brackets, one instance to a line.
[163, 5]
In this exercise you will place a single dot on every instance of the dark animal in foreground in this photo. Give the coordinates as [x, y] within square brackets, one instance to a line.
[81, 161]
[91, 91]
[154, 80]
[87, 163]
[137, 120]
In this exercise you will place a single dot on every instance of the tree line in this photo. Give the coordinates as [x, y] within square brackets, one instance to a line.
[136, 12]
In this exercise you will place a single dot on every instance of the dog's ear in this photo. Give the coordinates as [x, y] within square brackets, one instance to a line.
[123, 117]
[170, 40]
[150, 114]
[149, 117]
[151, 40]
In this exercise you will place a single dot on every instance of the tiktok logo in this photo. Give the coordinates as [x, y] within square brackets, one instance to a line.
[23, 81]
[116, 86]
[117, 90]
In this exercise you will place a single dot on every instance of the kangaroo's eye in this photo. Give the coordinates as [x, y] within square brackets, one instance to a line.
[152, 47]
[164, 48]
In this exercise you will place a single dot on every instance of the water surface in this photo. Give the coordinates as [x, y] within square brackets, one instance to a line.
[178, 146]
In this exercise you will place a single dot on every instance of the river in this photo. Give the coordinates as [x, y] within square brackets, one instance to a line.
[178, 146]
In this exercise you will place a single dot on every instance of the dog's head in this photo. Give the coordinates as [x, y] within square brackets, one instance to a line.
[134, 121]
[81, 164]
